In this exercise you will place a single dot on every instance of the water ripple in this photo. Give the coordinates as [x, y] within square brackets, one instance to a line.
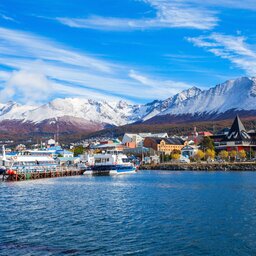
[150, 213]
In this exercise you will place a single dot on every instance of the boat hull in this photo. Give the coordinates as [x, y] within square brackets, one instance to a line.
[110, 170]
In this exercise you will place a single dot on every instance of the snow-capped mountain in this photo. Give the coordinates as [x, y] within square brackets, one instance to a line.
[88, 114]
[239, 94]
[155, 108]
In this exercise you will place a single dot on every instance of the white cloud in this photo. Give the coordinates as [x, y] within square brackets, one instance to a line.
[169, 14]
[160, 87]
[65, 72]
[5, 17]
[27, 45]
[232, 48]
[27, 86]
[232, 4]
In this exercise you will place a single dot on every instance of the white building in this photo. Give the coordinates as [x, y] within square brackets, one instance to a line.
[132, 137]
[51, 142]
[155, 135]
[138, 138]
[189, 151]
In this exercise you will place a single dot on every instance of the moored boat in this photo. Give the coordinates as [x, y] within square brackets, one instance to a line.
[111, 164]
[28, 163]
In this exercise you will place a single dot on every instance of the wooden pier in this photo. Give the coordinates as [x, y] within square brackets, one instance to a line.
[34, 175]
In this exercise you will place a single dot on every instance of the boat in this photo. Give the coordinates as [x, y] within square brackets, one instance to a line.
[28, 163]
[111, 163]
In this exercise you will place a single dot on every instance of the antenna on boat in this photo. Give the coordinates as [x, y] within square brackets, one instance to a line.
[4, 155]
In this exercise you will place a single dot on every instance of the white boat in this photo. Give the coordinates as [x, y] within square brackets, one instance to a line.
[27, 163]
[111, 164]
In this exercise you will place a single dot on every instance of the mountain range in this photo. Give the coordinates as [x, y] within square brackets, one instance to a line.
[71, 115]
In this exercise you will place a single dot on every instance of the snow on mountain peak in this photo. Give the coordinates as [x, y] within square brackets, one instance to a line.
[232, 94]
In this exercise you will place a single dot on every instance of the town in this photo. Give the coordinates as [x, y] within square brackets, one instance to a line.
[234, 144]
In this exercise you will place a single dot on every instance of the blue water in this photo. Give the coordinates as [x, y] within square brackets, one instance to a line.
[149, 213]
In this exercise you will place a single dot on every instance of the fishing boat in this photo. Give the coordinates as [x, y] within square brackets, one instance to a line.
[111, 163]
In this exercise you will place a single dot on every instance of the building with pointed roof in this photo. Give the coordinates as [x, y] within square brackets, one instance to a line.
[236, 139]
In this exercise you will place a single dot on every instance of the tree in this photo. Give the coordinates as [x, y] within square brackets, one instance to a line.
[175, 156]
[242, 154]
[210, 154]
[166, 158]
[223, 155]
[78, 150]
[207, 143]
[253, 153]
[233, 154]
[199, 155]
[176, 151]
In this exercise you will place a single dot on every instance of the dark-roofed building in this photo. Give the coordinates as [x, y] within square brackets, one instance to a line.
[166, 145]
[236, 139]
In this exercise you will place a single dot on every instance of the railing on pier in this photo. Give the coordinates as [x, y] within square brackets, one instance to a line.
[33, 174]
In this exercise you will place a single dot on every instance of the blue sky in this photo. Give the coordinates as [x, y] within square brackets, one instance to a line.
[136, 50]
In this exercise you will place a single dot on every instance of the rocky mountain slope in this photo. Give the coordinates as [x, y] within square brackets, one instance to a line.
[72, 114]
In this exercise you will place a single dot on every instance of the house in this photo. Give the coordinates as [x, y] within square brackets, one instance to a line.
[133, 138]
[68, 161]
[236, 139]
[166, 145]
[151, 160]
[66, 153]
[189, 151]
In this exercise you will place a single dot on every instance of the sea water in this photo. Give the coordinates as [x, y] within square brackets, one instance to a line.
[148, 213]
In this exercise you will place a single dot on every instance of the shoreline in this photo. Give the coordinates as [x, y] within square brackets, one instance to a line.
[244, 166]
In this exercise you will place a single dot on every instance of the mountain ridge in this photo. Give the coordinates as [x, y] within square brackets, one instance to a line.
[225, 99]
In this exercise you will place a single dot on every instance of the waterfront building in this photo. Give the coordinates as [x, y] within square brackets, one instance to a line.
[133, 140]
[236, 139]
[166, 145]
[68, 161]
[189, 151]
[138, 151]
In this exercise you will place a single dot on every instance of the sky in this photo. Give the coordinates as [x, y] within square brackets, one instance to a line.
[133, 50]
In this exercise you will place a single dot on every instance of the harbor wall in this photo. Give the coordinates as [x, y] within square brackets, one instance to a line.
[201, 166]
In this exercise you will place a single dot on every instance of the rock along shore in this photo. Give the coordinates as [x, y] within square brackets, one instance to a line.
[245, 166]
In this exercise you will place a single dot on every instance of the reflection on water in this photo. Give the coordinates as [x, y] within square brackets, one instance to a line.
[149, 213]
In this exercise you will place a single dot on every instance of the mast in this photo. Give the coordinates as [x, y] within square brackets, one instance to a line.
[4, 155]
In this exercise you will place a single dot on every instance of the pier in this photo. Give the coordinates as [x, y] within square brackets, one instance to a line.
[34, 175]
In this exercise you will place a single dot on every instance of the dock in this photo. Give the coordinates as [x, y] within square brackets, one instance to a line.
[45, 174]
